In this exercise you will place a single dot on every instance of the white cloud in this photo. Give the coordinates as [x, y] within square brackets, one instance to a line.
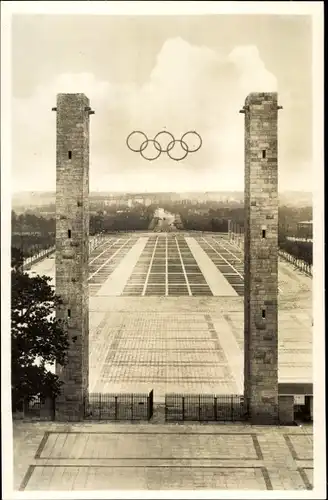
[189, 88]
[254, 77]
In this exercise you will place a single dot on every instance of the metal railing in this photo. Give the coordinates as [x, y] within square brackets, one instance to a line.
[102, 406]
[29, 261]
[204, 407]
[39, 409]
[94, 242]
[236, 235]
[298, 263]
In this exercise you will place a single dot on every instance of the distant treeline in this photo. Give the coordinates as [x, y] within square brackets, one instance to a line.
[217, 219]
[31, 233]
[31, 223]
[289, 217]
[197, 222]
[31, 244]
[134, 219]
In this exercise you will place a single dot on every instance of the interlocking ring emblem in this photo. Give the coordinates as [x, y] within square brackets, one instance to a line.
[163, 142]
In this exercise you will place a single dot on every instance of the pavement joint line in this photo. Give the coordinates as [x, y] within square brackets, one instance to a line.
[166, 269]
[110, 258]
[183, 266]
[40, 463]
[303, 474]
[167, 433]
[292, 448]
[162, 466]
[27, 477]
[42, 444]
[237, 258]
[111, 243]
[149, 268]
[116, 282]
[219, 285]
[221, 256]
[228, 263]
[266, 478]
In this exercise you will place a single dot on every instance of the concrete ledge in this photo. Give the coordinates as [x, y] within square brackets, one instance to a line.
[295, 389]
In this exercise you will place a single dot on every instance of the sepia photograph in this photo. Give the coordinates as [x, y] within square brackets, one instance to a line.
[162, 249]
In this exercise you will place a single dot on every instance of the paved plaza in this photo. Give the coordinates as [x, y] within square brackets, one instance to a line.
[55, 456]
[166, 313]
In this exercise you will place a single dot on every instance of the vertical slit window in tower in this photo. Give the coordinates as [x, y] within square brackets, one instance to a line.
[263, 233]
[69, 233]
[263, 153]
[68, 313]
[263, 313]
[70, 155]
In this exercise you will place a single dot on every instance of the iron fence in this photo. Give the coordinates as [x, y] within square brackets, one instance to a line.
[38, 408]
[99, 406]
[33, 259]
[298, 263]
[204, 407]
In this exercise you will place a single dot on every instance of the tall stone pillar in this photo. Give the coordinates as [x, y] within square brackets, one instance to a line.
[261, 258]
[72, 248]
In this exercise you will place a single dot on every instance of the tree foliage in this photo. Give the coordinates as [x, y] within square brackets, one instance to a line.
[37, 336]
[17, 258]
[299, 249]
[32, 233]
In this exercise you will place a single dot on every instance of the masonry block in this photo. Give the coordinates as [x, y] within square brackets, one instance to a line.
[72, 248]
[286, 410]
[261, 258]
[309, 407]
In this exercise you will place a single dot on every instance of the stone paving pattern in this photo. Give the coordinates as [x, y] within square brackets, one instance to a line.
[167, 267]
[174, 344]
[53, 456]
[186, 343]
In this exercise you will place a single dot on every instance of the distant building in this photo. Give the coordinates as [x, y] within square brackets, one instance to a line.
[305, 229]
[110, 202]
[201, 211]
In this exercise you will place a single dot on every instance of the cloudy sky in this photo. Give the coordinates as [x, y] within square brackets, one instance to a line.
[160, 73]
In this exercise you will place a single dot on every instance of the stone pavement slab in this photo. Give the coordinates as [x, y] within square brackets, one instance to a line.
[186, 345]
[116, 281]
[214, 278]
[97, 456]
[175, 344]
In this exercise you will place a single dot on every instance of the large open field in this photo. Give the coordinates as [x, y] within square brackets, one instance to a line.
[166, 313]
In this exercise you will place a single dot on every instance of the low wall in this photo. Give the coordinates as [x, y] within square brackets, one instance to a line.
[30, 261]
[300, 264]
[94, 241]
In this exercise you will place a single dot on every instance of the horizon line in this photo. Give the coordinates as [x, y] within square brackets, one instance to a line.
[160, 192]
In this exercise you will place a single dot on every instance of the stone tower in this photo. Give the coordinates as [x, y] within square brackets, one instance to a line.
[261, 258]
[72, 247]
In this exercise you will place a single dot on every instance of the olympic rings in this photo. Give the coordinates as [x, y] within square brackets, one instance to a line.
[185, 148]
[145, 144]
[171, 143]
